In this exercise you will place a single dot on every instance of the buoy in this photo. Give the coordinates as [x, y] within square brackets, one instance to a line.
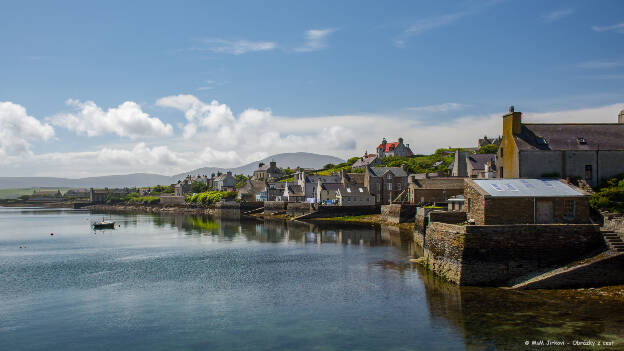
[51, 233]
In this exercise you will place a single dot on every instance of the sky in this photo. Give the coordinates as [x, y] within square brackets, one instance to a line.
[116, 87]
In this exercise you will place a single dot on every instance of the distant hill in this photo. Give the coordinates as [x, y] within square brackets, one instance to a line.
[301, 159]
[112, 181]
[290, 159]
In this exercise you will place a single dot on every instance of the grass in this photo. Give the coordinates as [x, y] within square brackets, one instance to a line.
[15, 193]
[349, 218]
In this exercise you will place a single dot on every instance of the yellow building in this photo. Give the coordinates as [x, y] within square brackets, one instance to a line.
[590, 151]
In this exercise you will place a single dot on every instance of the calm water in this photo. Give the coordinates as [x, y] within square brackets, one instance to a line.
[196, 283]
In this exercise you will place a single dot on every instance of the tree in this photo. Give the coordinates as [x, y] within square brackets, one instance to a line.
[198, 187]
[488, 149]
[352, 160]
[328, 166]
[240, 180]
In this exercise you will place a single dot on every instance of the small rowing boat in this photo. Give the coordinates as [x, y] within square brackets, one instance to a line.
[104, 225]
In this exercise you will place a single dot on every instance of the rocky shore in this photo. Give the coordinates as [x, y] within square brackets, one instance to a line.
[152, 209]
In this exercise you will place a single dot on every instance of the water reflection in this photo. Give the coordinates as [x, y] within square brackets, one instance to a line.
[499, 319]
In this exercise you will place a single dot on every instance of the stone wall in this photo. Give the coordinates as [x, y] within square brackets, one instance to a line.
[447, 217]
[614, 222]
[271, 207]
[398, 213]
[300, 208]
[329, 211]
[250, 205]
[495, 254]
[172, 200]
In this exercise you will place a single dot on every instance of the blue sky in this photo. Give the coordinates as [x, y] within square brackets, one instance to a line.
[326, 76]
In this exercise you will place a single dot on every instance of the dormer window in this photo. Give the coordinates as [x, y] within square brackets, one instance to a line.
[581, 140]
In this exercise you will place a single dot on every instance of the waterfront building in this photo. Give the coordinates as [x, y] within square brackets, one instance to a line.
[431, 190]
[524, 201]
[589, 151]
[386, 184]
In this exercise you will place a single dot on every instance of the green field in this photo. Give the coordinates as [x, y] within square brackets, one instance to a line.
[15, 193]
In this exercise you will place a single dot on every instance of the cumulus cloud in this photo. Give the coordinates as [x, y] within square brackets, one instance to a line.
[125, 120]
[316, 39]
[223, 139]
[234, 47]
[18, 129]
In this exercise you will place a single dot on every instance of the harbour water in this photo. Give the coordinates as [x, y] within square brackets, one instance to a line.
[159, 282]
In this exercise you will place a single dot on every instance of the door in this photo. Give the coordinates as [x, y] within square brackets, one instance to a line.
[544, 211]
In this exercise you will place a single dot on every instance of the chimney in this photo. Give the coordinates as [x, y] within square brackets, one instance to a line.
[400, 140]
[516, 120]
[621, 117]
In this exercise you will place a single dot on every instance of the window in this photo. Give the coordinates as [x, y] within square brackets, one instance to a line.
[588, 172]
[501, 173]
[501, 151]
[389, 186]
[569, 208]
[469, 205]
[378, 186]
[389, 176]
[399, 186]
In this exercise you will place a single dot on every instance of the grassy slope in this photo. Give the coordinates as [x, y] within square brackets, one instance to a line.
[15, 193]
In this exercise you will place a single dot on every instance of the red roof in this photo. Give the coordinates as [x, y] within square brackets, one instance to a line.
[392, 146]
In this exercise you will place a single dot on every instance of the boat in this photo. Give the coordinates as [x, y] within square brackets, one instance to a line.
[104, 225]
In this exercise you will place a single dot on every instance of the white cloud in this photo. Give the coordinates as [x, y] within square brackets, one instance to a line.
[316, 39]
[556, 15]
[446, 107]
[18, 130]
[223, 139]
[125, 120]
[601, 64]
[234, 47]
[618, 28]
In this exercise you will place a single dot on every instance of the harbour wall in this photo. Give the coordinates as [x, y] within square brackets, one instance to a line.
[496, 254]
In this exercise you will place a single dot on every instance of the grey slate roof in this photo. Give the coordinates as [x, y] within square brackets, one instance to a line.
[380, 171]
[478, 161]
[526, 188]
[598, 136]
[350, 190]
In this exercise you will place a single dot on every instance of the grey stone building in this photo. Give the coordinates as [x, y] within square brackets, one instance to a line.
[590, 151]
[386, 183]
[267, 172]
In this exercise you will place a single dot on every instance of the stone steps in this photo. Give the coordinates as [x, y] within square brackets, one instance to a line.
[560, 277]
[613, 240]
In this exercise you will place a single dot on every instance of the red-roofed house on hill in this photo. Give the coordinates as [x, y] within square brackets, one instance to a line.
[396, 148]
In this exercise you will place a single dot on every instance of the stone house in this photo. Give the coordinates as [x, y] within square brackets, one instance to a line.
[97, 196]
[396, 148]
[183, 188]
[431, 190]
[77, 193]
[385, 183]
[309, 182]
[46, 195]
[589, 151]
[347, 195]
[488, 141]
[250, 190]
[224, 182]
[524, 201]
[456, 203]
[370, 160]
[473, 165]
[267, 172]
[326, 192]
[293, 193]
